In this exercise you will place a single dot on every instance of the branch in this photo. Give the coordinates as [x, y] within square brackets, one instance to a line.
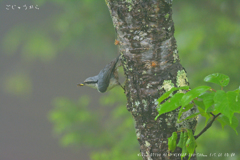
[208, 125]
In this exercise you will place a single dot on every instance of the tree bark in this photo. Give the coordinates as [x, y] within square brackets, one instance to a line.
[151, 64]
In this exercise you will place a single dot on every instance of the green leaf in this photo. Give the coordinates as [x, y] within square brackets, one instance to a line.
[184, 148]
[181, 140]
[208, 100]
[234, 101]
[199, 104]
[191, 143]
[170, 104]
[191, 116]
[225, 121]
[206, 115]
[221, 121]
[237, 96]
[189, 96]
[186, 108]
[202, 106]
[217, 78]
[167, 94]
[172, 142]
[225, 103]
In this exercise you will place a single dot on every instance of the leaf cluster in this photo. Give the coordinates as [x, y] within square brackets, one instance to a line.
[212, 104]
[209, 101]
[187, 142]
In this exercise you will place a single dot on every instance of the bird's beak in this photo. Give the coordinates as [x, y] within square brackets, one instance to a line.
[80, 84]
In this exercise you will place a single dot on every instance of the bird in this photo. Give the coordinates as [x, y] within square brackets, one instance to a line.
[106, 79]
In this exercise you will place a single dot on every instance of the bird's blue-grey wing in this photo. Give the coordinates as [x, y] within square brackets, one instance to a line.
[105, 75]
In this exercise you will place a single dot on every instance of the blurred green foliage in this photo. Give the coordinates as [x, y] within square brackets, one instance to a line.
[208, 38]
[109, 131]
[18, 84]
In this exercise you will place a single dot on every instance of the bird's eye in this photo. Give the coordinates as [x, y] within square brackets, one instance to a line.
[90, 82]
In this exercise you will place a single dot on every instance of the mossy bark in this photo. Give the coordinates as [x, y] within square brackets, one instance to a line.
[145, 31]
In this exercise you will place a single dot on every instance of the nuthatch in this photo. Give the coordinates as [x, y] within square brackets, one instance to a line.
[106, 79]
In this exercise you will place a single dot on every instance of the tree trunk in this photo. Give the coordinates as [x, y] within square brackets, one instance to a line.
[150, 60]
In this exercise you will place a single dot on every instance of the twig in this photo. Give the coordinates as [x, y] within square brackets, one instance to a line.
[212, 114]
[207, 126]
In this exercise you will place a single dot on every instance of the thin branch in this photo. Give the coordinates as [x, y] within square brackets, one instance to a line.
[208, 125]
[212, 114]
